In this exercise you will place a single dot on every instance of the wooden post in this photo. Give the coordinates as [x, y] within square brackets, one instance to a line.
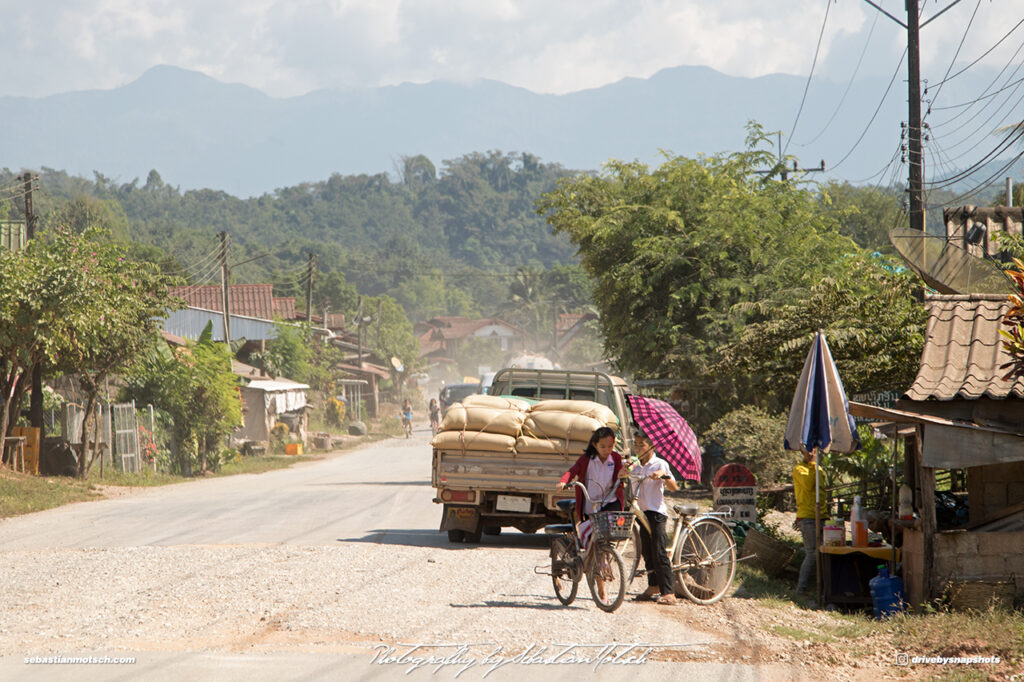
[926, 478]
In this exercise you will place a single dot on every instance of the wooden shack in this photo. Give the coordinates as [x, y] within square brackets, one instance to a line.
[965, 417]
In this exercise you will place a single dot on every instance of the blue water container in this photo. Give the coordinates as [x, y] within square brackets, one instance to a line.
[886, 593]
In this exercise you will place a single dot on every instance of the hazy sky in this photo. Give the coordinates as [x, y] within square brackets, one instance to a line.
[289, 47]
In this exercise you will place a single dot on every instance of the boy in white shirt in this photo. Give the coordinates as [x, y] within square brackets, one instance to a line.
[651, 498]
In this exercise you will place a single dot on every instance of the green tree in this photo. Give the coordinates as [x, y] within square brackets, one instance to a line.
[74, 303]
[874, 326]
[754, 436]
[289, 354]
[866, 214]
[674, 250]
[196, 387]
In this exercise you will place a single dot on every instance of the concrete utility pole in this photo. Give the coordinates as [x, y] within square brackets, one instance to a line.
[914, 122]
[35, 404]
[309, 291]
[225, 277]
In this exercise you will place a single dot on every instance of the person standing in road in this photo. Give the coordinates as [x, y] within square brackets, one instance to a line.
[655, 477]
[804, 474]
[435, 416]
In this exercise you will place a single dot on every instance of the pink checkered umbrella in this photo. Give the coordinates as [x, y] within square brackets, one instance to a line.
[672, 437]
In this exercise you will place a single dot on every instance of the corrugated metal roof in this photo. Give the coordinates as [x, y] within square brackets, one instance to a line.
[190, 322]
[963, 350]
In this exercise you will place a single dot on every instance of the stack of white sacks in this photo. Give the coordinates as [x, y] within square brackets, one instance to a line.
[496, 424]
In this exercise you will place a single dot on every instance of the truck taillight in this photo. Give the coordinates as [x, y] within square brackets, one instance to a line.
[458, 495]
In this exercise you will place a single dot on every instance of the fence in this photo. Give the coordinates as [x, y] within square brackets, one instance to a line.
[118, 434]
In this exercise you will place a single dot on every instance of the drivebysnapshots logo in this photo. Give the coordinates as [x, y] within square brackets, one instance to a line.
[903, 658]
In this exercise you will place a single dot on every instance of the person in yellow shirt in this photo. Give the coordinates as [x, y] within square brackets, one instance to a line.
[803, 488]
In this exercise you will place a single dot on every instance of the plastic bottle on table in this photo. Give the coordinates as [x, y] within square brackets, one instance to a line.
[858, 524]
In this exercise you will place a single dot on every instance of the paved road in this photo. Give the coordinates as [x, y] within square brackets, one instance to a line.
[375, 492]
[368, 503]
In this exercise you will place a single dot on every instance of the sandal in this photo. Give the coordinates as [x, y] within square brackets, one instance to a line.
[667, 600]
[643, 596]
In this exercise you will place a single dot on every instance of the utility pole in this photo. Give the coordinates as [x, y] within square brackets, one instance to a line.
[359, 335]
[380, 316]
[225, 276]
[794, 169]
[914, 122]
[309, 291]
[35, 404]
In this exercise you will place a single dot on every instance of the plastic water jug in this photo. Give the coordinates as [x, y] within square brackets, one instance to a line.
[886, 593]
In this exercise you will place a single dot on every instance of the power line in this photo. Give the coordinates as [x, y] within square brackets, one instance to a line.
[984, 54]
[874, 115]
[957, 53]
[846, 92]
[817, 49]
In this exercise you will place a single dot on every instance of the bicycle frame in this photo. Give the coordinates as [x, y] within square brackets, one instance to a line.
[685, 523]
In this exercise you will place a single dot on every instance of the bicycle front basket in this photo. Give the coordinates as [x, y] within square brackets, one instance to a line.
[612, 525]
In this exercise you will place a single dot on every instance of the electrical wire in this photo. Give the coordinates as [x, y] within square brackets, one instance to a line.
[814, 62]
[1012, 136]
[846, 92]
[983, 55]
[957, 53]
[874, 115]
[983, 185]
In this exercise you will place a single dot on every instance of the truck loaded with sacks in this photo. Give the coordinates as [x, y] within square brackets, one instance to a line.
[497, 458]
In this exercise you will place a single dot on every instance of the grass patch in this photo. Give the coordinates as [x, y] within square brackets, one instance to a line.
[24, 493]
[947, 633]
[257, 465]
[144, 478]
[753, 583]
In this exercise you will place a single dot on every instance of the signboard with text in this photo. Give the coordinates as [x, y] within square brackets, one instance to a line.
[736, 488]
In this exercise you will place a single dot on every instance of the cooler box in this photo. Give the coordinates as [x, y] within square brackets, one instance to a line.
[293, 448]
[31, 436]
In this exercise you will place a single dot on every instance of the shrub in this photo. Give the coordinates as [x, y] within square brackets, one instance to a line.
[754, 436]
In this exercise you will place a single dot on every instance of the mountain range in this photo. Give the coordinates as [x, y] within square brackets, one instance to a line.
[198, 132]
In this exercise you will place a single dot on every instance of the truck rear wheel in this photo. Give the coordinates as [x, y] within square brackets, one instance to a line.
[492, 530]
[473, 536]
[456, 536]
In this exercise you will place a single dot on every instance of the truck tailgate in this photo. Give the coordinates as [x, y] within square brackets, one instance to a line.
[500, 471]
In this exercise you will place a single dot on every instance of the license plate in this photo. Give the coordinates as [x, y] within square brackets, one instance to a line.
[513, 504]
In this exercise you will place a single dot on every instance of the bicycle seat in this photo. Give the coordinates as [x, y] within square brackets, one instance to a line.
[566, 505]
[688, 509]
[558, 529]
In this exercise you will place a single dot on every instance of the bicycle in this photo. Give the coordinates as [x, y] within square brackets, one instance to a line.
[599, 560]
[702, 550]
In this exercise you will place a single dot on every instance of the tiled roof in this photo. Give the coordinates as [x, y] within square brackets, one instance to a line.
[963, 350]
[247, 300]
[284, 307]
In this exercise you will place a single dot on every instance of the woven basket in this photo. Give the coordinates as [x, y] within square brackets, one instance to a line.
[980, 595]
[769, 554]
[612, 525]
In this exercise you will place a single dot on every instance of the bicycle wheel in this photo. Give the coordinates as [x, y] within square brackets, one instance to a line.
[706, 561]
[629, 550]
[606, 567]
[565, 571]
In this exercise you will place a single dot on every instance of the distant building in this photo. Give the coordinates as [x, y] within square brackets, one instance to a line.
[441, 337]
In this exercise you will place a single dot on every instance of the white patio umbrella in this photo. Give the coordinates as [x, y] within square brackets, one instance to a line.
[819, 418]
